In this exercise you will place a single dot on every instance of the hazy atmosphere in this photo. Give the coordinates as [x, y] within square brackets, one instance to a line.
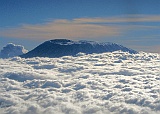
[132, 23]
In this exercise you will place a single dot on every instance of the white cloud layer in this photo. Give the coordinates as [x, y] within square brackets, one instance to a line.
[11, 50]
[108, 83]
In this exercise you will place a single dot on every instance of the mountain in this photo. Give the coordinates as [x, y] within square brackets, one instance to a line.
[11, 50]
[64, 47]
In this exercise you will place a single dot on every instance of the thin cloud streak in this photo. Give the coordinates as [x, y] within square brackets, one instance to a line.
[121, 19]
[80, 27]
[61, 29]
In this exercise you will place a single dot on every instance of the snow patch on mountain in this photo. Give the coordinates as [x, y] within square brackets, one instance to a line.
[11, 50]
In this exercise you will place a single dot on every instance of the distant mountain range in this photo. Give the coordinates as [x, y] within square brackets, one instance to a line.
[64, 47]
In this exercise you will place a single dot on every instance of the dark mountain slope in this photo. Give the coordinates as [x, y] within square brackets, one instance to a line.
[64, 47]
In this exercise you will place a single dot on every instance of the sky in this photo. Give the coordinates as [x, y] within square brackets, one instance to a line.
[131, 23]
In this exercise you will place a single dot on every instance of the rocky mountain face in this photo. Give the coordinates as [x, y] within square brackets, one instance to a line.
[64, 47]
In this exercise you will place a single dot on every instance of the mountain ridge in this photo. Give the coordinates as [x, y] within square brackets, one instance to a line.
[64, 47]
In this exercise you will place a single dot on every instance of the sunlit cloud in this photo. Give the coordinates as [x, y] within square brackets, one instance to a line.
[121, 19]
[80, 27]
[61, 29]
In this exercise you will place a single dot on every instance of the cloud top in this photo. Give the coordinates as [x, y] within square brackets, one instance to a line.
[11, 50]
[106, 83]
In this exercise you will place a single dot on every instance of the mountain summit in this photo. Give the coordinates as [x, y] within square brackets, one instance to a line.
[64, 47]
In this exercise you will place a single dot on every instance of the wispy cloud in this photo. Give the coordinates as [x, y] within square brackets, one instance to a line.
[61, 29]
[121, 19]
[79, 27]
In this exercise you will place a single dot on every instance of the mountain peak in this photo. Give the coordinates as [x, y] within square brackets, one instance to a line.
[65, 47]
[59, 41]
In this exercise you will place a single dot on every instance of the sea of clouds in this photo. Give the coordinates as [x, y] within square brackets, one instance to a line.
[107, 83]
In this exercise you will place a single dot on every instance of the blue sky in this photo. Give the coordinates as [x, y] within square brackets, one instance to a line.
[132, 23]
